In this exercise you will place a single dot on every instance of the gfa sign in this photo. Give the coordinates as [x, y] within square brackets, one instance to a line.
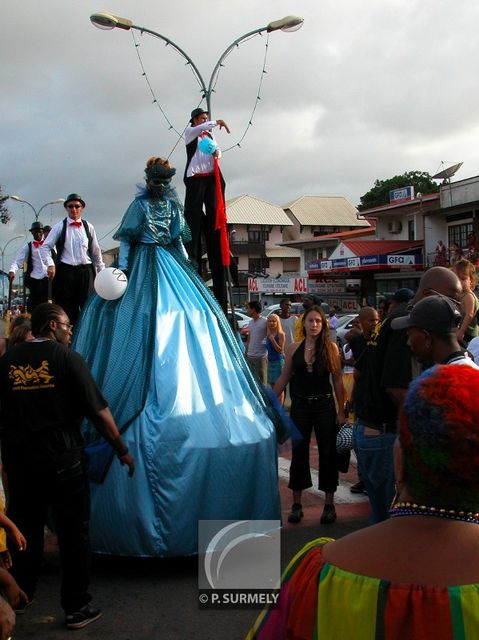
[400, 260]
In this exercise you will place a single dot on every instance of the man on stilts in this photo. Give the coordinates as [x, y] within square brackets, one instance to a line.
[205, 187]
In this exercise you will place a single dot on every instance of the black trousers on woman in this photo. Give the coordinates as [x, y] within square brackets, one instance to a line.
[319, 415]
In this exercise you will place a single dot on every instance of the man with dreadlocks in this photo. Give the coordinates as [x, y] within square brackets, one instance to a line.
[46, 391]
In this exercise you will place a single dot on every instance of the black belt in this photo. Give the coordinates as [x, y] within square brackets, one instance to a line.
[382, 427]
[67, 266]
[313, 399]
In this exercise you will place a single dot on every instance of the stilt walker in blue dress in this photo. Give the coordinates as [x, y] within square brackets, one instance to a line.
[178, 386]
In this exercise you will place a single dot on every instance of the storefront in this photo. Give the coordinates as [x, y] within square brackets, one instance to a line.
[360, 275]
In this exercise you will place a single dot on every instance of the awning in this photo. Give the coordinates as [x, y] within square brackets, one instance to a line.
[283, 252]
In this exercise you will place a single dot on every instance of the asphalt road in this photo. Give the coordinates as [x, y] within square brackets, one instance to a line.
[152, 599]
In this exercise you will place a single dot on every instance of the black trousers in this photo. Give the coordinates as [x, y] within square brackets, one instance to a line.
[319, 416]
[202, 191]
[72, 287]
[38, 293]
[33, 488]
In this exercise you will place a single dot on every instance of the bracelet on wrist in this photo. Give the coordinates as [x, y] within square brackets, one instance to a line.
[122, 452]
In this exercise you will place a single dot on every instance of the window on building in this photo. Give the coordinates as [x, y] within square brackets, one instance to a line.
[258, 236]
[390, 286]
[311, 255]
[410, 229]
[257, 265]
[458, 233]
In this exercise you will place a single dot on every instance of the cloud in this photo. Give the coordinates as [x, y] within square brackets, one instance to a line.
[362, 91]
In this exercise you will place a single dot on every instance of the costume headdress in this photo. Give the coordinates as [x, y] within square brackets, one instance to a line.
[439, 437]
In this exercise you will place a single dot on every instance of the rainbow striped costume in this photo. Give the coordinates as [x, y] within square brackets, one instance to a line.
[320, 601]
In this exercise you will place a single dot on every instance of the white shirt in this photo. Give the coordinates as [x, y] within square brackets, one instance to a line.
[333, 322]
[288, 325]
[39, 269]
[464, 360]
[473, 347]
[75, 251]
[257, 336]
[200, 162]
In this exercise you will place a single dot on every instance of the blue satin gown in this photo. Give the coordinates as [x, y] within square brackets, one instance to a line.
[172, 373]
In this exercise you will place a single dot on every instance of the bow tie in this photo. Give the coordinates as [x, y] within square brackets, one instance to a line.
[37, 243]
[75, 223]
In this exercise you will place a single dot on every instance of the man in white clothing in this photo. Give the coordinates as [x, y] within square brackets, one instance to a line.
[256, 353]
[35, 275]
[78, 258]
[288, 321]
[200, 185]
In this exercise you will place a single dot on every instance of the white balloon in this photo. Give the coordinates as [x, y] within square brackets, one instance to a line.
[111, 283]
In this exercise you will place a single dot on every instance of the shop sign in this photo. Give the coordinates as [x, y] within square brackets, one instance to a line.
[400, 260]
[278, 285]
[401, 195]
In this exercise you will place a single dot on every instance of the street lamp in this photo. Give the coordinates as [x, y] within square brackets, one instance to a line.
[110, 21]
[2, 253]
[37, 213]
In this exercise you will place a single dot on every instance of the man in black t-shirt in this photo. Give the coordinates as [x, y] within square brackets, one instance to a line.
[385, 369]
[46, 391]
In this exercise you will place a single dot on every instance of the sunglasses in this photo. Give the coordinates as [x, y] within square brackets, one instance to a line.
[73, 206]
[68, 325]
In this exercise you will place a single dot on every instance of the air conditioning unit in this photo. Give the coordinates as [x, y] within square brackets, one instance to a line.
[394, 226]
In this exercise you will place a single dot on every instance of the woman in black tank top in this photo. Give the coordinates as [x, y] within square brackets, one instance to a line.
[310, 367]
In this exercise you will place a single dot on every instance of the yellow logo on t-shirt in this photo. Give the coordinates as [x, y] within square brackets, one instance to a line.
[29, 378]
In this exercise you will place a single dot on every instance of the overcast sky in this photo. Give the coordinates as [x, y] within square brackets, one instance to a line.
[366, 89]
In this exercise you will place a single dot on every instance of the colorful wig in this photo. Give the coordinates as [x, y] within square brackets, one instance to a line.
[439, 436]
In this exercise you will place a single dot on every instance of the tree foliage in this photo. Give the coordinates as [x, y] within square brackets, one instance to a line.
[4, 212]
[379, 194]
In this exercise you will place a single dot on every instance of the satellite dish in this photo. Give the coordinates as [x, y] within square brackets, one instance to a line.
[446, 174]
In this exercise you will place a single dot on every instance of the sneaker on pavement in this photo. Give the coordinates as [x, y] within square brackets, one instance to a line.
[81, 618]
[296, 513]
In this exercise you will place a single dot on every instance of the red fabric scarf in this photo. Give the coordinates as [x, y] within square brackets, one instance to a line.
[221, 218]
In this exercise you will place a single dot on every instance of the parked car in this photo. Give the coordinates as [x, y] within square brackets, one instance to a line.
[242, 320]
[296, 309]
[344, 325]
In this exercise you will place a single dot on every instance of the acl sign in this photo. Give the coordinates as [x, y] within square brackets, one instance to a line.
[300, 285]
[400, 260]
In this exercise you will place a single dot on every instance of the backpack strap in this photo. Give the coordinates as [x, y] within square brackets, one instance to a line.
[29, 260]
